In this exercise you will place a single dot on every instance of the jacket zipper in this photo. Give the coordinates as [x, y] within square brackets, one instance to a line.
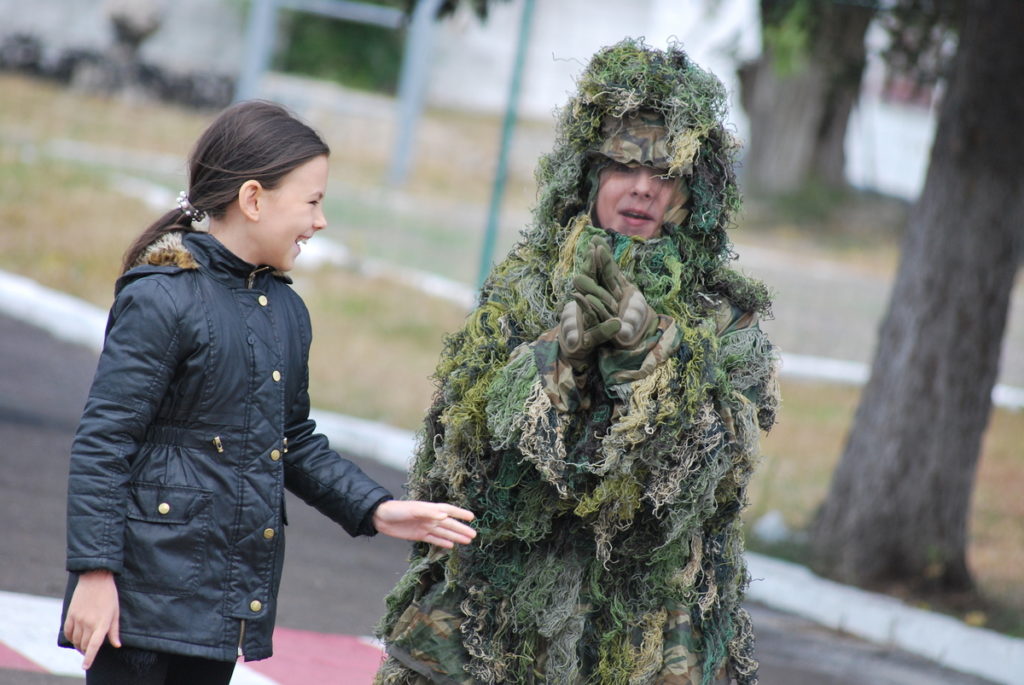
[252, 277]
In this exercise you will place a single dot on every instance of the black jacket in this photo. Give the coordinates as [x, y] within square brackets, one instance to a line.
[197, 420]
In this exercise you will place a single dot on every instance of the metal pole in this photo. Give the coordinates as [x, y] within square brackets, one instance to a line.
[490, 235]
[259, 46]
[411, 85]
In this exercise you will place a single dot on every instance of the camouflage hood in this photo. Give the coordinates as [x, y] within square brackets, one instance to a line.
[635, 105]
[639, 104]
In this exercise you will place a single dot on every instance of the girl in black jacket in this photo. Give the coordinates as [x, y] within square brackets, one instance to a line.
[198, 418]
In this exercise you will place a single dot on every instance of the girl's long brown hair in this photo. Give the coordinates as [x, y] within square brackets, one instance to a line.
[254, 140]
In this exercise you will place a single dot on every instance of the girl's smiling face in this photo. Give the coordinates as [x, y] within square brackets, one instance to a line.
[289, 215]
[633, 199]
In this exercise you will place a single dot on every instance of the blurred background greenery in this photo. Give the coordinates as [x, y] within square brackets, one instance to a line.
[355, 55]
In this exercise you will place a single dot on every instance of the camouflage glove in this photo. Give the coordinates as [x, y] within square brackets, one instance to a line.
[580, 331]
[644, 339]
[639, 320]
[565, 352]
[589, 319]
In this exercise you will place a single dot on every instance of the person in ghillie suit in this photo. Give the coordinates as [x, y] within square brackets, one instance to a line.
[599, 411]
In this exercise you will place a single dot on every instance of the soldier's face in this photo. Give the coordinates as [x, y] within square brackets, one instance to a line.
[633, 199]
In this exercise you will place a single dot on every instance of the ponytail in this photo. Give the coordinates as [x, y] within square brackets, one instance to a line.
[250, 140]
[174, 220]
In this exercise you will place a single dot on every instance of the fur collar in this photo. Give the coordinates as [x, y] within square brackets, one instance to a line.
[168, 250]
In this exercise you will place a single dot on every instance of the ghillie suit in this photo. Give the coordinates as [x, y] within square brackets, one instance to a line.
[608, 486]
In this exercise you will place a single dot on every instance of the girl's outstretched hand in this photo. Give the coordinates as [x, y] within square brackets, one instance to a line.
[93, 614]
[433, 522]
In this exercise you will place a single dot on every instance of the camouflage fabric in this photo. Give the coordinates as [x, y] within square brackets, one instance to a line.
[621, 366]
[682, 664]
[428, 643]
[565, 385]
[427, 638]
[563, 381]
[639, 139]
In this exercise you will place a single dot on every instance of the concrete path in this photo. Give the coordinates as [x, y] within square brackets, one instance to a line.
[824, 308]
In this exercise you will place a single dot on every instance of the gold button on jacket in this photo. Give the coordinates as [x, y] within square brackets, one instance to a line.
[164, 508]
[268, 533]
[276, 375]
[275, 454]
[255, 605]
[262, 299]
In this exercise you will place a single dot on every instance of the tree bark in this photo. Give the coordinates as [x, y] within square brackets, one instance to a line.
[898, 505]
[798, 120]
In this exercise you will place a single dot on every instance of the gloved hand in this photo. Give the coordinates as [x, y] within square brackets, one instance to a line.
[607, 320]
[581, 331]
[644, 339]
[639, 320]
[590, 318]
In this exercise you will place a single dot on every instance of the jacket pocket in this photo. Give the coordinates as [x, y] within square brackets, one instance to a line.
[166, 530]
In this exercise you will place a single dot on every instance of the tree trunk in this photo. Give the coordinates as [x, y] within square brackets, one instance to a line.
[898, 505]
[785, 113]
[798, 120]
[842, 40]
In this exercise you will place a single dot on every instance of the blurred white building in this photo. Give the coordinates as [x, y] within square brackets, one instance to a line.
[473, 61]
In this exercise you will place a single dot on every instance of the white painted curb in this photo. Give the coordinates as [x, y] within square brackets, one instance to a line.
[885, 620]
[856, 373]
[66, 318]
[358, 437]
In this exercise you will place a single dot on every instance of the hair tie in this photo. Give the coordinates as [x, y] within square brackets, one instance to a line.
[186, 207]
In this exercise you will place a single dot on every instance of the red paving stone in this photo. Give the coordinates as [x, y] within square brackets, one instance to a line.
[302, 657]
[9, 659]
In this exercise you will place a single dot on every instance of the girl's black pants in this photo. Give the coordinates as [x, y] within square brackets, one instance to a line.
[127, 666]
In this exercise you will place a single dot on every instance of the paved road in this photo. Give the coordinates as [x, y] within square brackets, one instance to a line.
[332, 583]
[826, 308]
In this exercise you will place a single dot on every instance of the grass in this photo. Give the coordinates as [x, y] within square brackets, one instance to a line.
[373, 227]
[35, 111]
[375, 345]
[57, 229]
[801, 451]
[860, 229]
